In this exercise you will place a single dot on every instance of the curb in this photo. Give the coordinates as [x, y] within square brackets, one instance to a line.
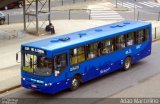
[9, 89]
[155, 40]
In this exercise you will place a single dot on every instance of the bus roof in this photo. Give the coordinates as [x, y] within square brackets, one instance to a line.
[76, 38]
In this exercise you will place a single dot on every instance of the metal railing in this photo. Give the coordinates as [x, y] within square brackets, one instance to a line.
[70, 14]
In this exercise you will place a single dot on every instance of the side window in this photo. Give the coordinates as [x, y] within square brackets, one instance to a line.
[120, 42]
[107, 46]
[77, 55]
[60, 63]
[147, 32]
[140, 36]
[93, 50]
[130, 39]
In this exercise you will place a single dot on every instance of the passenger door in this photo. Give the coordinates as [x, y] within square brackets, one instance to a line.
[61, 69]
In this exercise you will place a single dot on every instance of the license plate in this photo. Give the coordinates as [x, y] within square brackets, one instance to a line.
[34, 86]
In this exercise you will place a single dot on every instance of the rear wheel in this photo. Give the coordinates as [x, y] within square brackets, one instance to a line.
[75, 83]
[127, 63]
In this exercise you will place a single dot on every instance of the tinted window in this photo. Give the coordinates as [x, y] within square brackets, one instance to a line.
[107, 46]
[130, 40]
[93, 50]
[120, 42]
[140, 36]
[77, 55]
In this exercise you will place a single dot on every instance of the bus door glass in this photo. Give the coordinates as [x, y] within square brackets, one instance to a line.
[60, 64]
[92, 52]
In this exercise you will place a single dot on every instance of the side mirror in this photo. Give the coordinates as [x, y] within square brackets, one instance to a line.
[17, 60]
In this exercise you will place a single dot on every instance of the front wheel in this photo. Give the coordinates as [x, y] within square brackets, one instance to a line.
[6, 7]
[1, 22]
[19, 5]
[75, 83]
[127, 63]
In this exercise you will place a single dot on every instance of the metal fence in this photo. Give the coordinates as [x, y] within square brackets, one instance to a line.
[55, 15]
[65, 2]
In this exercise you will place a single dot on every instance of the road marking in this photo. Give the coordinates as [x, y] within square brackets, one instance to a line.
[143, 3]
[101, 11]
[155, 4]
[129, 5]
[137, 6]
[101, 14]
[150, 4]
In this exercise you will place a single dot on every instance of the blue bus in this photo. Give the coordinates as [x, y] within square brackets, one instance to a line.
[57, 63]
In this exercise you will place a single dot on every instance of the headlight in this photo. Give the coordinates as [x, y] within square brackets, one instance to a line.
[49, 84]
[23, 79]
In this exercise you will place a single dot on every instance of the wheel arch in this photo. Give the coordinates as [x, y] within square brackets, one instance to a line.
[79, 76]
[130, 56]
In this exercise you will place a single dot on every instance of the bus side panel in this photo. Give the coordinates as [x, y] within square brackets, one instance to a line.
[112, 62]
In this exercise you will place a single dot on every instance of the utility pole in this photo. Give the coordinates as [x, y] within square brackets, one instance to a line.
[135, 10]
[116, 3]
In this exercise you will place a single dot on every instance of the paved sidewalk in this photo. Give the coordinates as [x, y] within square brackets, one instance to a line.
[10, 77]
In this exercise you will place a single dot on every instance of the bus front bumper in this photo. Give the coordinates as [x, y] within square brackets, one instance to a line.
[47, 88]
[44, 88]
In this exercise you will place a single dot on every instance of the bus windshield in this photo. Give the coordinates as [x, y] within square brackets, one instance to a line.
[38, 65]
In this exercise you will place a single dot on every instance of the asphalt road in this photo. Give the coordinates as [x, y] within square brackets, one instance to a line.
[103, 87]
[16, 15]
[149, 11]
[141, 5]
[146, 12]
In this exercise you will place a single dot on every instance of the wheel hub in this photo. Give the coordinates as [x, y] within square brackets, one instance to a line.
[75, 82]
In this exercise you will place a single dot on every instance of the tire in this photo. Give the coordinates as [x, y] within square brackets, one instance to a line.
[6, 7]
[2, 22]
[19, 5]
[127, 63]
[75, 83]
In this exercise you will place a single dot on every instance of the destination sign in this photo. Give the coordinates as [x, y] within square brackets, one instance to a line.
[36, 50]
